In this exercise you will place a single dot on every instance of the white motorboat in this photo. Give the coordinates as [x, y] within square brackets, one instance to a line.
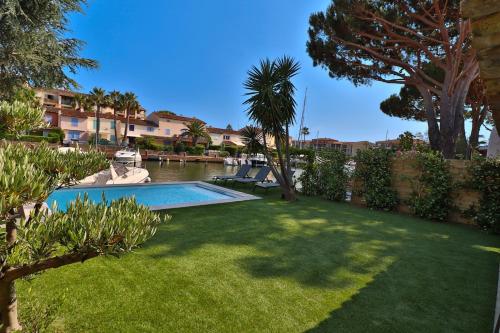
[118, 174]
[231, 161]
[128, 155]
[257, 160]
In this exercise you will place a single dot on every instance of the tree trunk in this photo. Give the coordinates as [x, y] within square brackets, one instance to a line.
[270, 161]
[124, 139]
[430, 115]
[11, 231]
[288, 192]
[97, 126]
[287, 154]
[8, 299]
[116, 128]
[8, 307]
[479, 112]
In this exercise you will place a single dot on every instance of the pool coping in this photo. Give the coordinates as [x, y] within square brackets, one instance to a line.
[237, 196]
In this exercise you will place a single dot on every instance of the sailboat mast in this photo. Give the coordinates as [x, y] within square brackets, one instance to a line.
[302, 122]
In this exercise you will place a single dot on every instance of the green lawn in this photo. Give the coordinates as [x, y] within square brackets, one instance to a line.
[272, 266]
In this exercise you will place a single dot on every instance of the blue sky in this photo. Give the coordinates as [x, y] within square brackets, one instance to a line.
[191, 57]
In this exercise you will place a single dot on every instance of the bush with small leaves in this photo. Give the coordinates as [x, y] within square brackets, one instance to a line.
[40, 241]
[486, 179]
[373, 168]
[431, 197]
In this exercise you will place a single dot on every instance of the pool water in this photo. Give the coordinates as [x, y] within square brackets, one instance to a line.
[151, 195]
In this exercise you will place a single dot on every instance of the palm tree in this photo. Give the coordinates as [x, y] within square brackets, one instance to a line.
[196, 130]
[272, 107]
[304, 132]
[114, 101]
[129, 103]
[78, 102]
[98, 97]
[252, 138]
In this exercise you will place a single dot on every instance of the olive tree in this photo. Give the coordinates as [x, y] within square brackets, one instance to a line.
[33, 242]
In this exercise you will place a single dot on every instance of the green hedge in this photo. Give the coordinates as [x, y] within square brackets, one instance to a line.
[431, 197]
[486, 179]
[33, 138]
[327, 176]
[196, 151]
[373, 167]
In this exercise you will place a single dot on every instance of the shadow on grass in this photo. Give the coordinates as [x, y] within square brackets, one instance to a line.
[406, 272]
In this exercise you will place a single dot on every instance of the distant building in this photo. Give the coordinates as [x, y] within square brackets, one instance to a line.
[394, 143]
[348, 147]
[224, 136]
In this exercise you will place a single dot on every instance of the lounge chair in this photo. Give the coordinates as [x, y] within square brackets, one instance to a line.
[242, 173]
[267, 186]
[260, 177]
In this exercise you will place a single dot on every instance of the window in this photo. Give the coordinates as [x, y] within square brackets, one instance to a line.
[113, 124]
[112, 138]
[167, 131]
[67, 100]
[74, 122]
[50, 97]
[151, 129]
[74, 135]
[227, 137]
[48, 118]
[131, 127]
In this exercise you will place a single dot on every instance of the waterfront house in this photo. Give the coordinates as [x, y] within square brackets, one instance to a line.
[223, 136]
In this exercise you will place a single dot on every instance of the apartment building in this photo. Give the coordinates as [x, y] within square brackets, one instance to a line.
[62, 111]
[56, 98]
[63, 99]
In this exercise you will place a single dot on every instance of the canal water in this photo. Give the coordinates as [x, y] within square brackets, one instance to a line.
[175, 171]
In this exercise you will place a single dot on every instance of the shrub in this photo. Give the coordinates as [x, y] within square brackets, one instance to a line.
[233, 151]
[333, 175]
[32, 138]
[327, 177]
[224, 153]
[309, 179]
[373, 167]
[179, 148]
[149, 143]
[486, 179]
[197, 150]
[431, 194]
[102, 141]
[58, 133]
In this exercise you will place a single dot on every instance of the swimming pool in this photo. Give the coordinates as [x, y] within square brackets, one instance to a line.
[156, 196]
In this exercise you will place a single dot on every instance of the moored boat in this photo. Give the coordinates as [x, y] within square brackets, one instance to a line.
[128, 155]
[118, 174]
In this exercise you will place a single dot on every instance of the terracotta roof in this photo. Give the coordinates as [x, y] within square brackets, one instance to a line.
[140, 122]
[176, 117]
[73, 113]
[325, 140]
[230, 143]
[58, 91]
[216, 130]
